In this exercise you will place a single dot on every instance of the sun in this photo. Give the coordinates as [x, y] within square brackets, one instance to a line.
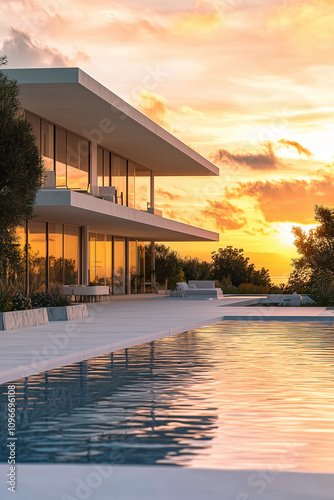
[283, 231]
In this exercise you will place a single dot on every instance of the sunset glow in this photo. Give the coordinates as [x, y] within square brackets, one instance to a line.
[246, 84]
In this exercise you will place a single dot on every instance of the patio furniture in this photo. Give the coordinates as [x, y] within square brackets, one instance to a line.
[152, 286]
[91, 293]
[198, 288]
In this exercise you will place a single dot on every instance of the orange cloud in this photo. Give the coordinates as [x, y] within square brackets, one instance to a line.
[266, 160]
[300, 149]
[166, 194]
[287, 200]
[195, 23]
[224, 215]
[153, 106]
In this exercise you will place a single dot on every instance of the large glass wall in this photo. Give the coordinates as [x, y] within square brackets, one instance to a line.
[37, 255]
[71, 254]
[100, 259]
[103, 167]
[63, 151]
[143, 188]
[131, 184]
[118, 178]
[119, 266]
[61, 157]
[77, 156]
[56, 262]
[137, 266]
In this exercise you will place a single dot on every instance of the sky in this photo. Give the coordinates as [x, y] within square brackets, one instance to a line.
[246, 83]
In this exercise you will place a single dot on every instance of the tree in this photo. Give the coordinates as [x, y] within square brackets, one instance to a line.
[21, 167]
[231, 263]
[316, 250]
[168, 263]
[196, 269]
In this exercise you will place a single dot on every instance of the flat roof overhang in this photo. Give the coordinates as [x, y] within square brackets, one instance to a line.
[72, 99]
[71, 207]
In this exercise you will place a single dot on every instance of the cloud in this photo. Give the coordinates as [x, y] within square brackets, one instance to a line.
[224, 215]
[153, 106]
[287, 200]
[167, 194]
[300, 149]
[21, 49]
[267, 160]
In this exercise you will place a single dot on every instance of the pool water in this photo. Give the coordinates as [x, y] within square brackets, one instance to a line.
[233, 395]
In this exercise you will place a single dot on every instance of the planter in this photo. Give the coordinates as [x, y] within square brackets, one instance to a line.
[24, 319]
[67, 313]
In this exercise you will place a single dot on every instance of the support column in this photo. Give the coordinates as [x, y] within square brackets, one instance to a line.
[152, 190]
[153, 261]
[85, 256]
[127, 267]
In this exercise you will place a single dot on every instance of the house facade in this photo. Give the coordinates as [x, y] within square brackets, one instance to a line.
[97, 211]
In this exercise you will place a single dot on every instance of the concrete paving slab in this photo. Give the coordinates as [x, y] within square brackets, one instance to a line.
[76, 482]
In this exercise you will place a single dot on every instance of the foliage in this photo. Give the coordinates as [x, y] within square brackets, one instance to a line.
[322, 293]
[250, 288]
[21, 172]
[6, 293]
[196, 269]
[176, 279]
[231, 262]
[314, 270]
[20, 302]
[53, 297]
[227, 287]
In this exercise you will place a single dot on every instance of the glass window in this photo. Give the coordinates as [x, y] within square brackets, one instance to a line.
[100, 175]
[100, 259]
[60, 157]
[92, 258]
[106, 164]
[143, 188]
[71, 254]
[134, 268]
[118, 177]
[109, 260]
[77, 162]
[56, 263]
[119, 266]
[20, 272]
[37, 255]
[131, 184]
[36, 125]
[47, 144]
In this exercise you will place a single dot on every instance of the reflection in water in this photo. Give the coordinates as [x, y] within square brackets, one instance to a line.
[230, 395]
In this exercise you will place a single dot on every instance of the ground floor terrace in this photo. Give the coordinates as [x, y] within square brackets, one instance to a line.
[123, 323]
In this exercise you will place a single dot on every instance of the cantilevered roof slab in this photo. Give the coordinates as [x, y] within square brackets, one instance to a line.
[72, 99]
[66, 206]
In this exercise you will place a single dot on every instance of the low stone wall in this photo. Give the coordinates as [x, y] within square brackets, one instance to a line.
[67, 313]
[23, 319]
[36, 317]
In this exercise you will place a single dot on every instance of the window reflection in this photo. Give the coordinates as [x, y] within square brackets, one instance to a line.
[47, 144]
[143, 188]
[37, 255]
[119, 266]
[56, 264]
[61, 180]
[36, 125]
[71, 254]
[118, 177]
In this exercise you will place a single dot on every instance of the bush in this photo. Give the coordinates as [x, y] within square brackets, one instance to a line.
[20, 302]
[6, 294]
[176, 279]
[227, 287]
[249, 288]
[322, 293]
[53, 297]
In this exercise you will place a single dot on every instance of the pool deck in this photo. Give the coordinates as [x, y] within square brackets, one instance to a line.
[119, 324]
[124, 323]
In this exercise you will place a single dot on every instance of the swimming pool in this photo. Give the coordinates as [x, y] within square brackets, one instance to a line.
[233, 395]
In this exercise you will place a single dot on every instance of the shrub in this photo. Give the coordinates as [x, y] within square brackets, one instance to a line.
[322, 293]
[227, 287]
[6, 294]
[20, 302]
[249, 288]
[176, 279]
[53, 297]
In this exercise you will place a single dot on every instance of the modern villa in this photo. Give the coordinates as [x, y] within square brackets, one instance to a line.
[96, 210]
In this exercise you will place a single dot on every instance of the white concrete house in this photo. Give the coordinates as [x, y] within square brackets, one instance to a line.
[97, 207]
